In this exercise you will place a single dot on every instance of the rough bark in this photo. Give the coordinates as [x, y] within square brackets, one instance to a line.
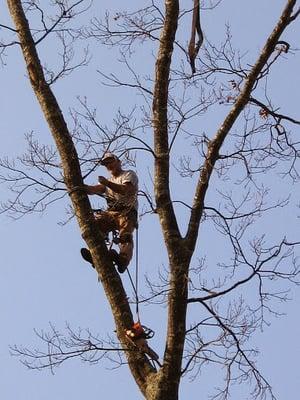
[139, 365]
[180, 250]
[164, 384]
[178, 256]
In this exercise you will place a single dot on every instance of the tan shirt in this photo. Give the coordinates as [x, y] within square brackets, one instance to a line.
[128, 200]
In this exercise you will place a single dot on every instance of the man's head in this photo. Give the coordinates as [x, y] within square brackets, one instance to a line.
[111, 162]
[108, 158]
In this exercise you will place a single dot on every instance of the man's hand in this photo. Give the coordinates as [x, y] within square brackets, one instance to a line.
[94, 189]
[102, 180]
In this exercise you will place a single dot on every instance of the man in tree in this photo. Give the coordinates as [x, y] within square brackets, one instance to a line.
[209, 318]
[120, 191]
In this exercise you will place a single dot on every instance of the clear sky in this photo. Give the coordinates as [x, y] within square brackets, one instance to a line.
[43, 278]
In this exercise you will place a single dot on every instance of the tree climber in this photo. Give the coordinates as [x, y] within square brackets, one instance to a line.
[120, 191]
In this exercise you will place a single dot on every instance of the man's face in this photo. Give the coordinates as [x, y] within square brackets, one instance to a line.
[112, 164]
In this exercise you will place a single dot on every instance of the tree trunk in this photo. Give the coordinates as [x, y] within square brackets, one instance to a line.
[139, 365]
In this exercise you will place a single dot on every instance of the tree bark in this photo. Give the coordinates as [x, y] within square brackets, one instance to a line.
[138, 363]
[162, 384]
[216, 143]
[178, 256]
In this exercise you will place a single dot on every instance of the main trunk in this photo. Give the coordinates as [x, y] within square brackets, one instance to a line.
[140, 366]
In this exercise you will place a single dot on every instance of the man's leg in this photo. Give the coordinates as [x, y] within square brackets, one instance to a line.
[106, 224]
[126, 225]
[126, 245]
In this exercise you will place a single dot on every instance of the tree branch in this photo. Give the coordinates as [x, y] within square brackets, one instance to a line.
[215, 144]
[140, 366]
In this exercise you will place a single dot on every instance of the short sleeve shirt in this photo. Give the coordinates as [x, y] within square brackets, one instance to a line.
[124, 200]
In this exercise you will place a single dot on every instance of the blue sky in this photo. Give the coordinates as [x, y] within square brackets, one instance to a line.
[43, 278]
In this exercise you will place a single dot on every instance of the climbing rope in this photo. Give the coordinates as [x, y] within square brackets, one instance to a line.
[135, 286]
[143, 330]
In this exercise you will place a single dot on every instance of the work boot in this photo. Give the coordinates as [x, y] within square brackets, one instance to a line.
[86, 255]
[120, 260]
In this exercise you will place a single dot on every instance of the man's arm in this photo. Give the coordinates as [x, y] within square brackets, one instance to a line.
[121, 188]
[94, 189]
